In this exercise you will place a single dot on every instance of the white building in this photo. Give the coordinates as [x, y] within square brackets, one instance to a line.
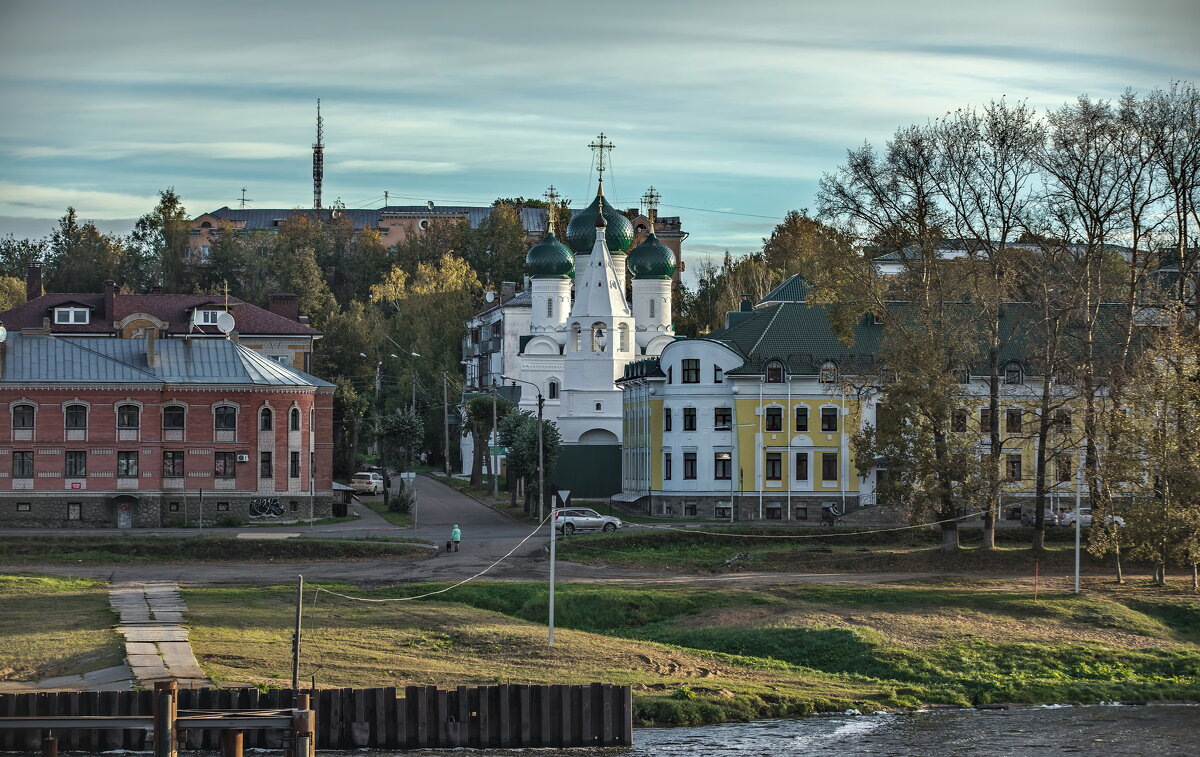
[574, 330]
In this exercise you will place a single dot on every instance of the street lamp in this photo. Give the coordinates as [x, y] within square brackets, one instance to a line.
[541, 454]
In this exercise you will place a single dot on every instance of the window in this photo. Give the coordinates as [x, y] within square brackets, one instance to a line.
[207, 317]
[72, 315]
[22, 465]
[802, 418]
[1012, 467]
[689, 465]
[774, 466]
[962, 374]
[1062, 468]
[718, 375]
[24, 507]
[722, 419]
[1012, 420]
[666, 466]
[670, 374]
[723, 512]
[1013, 374]
[294, 465]
[599, 407]
[22, 416]
[774, 419]
[76, 416]
[958, 421]
[829, 419]
[552, 390]
[224, 465]
[828, 373]
[294, 423]
[74, 511]
[985, 420]
[549, 307]
[689, 509]
[172, 416]
[623, 338]
[129, 416]
[127, 465]
[173, 507]
[689, 419]
[801, 466]
[264, 465]
[225, 418]
[651, 303]
[599, 337]
[774, 373]
[722, 466]
[1062, 419]
[264, 419]
[666, 419]
[691, 371]
[76, 464]
[206, 252]
[773, 511]
[222, 507]
[829, 466]
[172, 465]
[578, 332]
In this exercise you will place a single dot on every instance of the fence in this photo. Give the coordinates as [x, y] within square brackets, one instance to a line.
[425, 717]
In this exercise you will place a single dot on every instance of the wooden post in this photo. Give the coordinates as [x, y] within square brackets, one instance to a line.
[231, 744]
[49, 746]
[166, 712]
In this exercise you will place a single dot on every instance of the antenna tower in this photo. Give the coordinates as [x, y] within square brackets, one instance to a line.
[318, 159]
[245, 199]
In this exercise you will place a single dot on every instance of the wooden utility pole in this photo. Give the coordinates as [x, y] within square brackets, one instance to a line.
[296, 634]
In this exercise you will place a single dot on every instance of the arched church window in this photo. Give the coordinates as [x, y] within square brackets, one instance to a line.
[552, 391]
[549, 307]
[829, 372]
[623, 344]
[651, 308]
[774, 373]
[578, 336]
[599, 337]
[1014, 374]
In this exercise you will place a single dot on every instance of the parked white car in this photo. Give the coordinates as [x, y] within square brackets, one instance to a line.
[1049, 518]
[1085, 518]
[371, 483]
[572, 519]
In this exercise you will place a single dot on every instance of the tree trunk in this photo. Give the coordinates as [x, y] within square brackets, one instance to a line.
[1195, 576]
[477, 458]
[1120, 571]
[992, 509]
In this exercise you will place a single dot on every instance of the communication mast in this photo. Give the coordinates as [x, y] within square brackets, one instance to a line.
[318, 159]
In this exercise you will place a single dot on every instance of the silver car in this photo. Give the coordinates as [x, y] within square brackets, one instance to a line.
[572, 519]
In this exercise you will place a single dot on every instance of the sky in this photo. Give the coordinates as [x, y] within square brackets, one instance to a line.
[731, 110]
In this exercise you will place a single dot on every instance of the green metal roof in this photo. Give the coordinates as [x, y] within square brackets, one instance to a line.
[550, 259]
[581, 232]
[795, 289]
[651, 260]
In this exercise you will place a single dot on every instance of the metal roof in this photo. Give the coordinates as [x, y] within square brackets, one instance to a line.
[57, 359]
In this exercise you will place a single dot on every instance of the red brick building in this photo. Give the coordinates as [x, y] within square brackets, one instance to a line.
[149, 432]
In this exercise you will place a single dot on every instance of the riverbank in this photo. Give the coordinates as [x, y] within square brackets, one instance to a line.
[710, 655]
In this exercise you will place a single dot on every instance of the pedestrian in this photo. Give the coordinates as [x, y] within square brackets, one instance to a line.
[455, 536]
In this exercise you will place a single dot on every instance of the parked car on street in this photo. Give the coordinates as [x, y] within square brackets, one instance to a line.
[572, 519]
[1028, 518]
[371, 483]
[1085, 518]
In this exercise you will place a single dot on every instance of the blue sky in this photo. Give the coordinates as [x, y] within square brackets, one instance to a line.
[732, 110]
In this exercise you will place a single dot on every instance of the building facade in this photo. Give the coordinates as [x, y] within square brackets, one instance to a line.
[754, 421]
[148, 432]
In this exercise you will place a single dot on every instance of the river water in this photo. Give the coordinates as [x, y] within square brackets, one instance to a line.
[1111, 731]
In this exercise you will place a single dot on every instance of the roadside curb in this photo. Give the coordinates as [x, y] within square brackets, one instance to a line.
[488, 505]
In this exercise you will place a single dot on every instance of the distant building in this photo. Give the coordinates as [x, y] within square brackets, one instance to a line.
[280, 333]
[103, 431]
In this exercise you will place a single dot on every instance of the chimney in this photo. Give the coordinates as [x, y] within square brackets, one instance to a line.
[33, 282]
[151, 348]
[111, 290]
[747, 303]
[286, 305]
[508, 290]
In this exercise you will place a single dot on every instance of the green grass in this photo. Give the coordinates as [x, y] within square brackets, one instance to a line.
[703, 655]
[31, 550]
[395, 518]
[55, 626]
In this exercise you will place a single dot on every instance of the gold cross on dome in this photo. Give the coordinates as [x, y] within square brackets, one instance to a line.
[650, 200]
[600, 146]
[552, 196]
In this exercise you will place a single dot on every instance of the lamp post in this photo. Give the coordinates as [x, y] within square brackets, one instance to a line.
[541, 454]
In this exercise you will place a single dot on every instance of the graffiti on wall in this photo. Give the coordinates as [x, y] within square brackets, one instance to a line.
[265, 507]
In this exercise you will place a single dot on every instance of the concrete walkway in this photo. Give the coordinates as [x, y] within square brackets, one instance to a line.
[156, 643]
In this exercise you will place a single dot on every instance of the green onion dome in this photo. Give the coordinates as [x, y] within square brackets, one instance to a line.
[550, 259]
[651, 260]
[581, 233]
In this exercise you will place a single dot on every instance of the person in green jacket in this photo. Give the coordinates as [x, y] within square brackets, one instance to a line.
[455, 536]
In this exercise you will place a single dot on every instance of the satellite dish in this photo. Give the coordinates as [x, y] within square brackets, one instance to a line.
[225, 323]
[429, 204]
[3, 334]
[489, 296]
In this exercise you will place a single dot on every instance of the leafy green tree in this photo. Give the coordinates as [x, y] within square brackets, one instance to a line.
[350, 407]
[442, 237]
[12, 292]
[349, 335]
[403, 433]
[17, 255]
[518, 433]
[478, 423]
[80, 258]
[496, 249]
[159, 246]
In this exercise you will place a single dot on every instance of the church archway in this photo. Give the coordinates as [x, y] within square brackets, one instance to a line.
[598, 437]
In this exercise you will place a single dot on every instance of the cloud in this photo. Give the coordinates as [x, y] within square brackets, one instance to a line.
[203, 150]
[51, 202]
[398, 166]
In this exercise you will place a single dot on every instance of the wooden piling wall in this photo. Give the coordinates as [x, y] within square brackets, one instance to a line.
[423, 717]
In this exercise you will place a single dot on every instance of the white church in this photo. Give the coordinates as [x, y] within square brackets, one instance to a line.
[572, 332]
